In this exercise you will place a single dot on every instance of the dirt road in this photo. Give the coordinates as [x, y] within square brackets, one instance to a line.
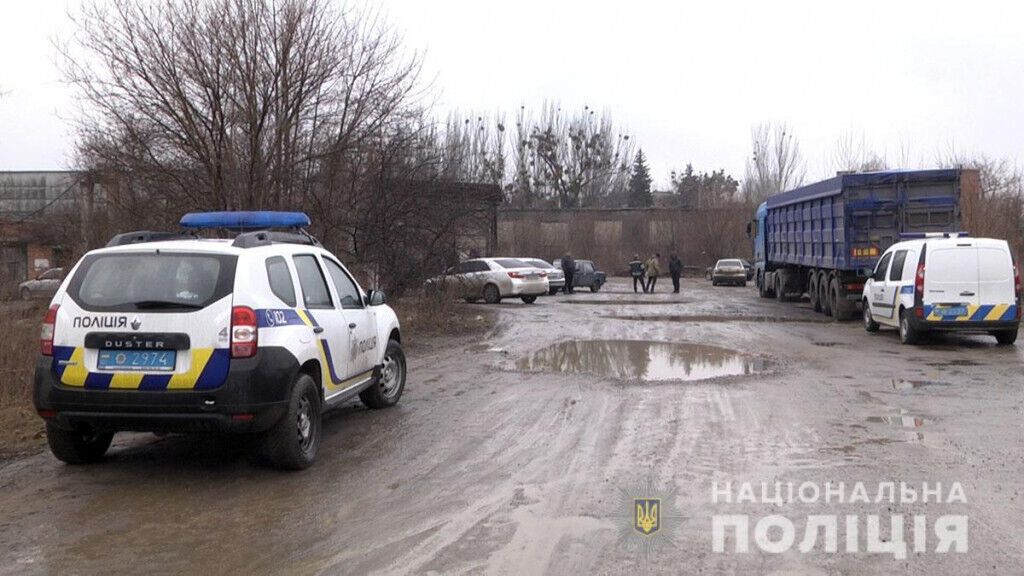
[520, 452]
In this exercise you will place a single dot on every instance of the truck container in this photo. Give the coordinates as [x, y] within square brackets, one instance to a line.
[824, 239]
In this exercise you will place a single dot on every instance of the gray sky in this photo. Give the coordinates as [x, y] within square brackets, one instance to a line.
[687, 79]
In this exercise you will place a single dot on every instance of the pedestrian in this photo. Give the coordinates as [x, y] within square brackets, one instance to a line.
[675, 268]
[636, 270]
[653, 271]
[569, 269]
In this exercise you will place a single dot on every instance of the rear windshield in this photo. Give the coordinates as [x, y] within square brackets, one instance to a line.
[510, 263]
[731, 263]
[538, 263]
[152, 281]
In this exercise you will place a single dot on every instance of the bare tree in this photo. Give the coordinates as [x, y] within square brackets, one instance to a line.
[853, 154]
[775, 164]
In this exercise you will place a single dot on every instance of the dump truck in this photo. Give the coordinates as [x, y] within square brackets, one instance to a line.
[824, 239]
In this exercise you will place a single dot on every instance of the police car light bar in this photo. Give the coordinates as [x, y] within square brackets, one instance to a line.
[245, 220]
[922, 235]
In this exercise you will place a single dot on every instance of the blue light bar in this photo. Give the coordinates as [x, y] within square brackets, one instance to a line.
[245, 220]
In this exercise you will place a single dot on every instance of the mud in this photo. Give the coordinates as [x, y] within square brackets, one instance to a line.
[487, 469]
[718, 318]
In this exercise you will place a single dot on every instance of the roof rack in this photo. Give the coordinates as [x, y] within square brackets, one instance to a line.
[923, 235]
[267, 237]
[140, 236]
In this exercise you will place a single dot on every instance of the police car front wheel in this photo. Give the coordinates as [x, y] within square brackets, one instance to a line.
[388, 388]
[77, 446]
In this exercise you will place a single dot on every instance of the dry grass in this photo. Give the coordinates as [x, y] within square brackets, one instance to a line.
[20, 428]
[437, 314]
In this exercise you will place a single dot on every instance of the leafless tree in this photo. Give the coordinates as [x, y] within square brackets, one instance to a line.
[853, 154]
[996, 208]
[775, 165]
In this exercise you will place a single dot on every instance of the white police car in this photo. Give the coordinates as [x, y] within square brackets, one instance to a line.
[945, 282]
[258, 334]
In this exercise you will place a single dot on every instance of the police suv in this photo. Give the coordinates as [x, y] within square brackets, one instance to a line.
[945, 282]
[258, 334]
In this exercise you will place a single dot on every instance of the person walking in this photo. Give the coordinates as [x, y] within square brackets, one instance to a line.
[675, 268]
[569, 269]
[653, 271]
[636, 270]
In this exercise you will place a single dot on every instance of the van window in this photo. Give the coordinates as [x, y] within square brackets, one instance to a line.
[151, 281]
[896, 272]
[314, 287]
[883, 264]
[281, 280]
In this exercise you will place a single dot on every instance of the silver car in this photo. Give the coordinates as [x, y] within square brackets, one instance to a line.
[729, 271]
[43, 286]
[492, 279]
[556, 278]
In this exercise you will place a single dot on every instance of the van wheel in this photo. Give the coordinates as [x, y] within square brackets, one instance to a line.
[1006, 337]
[908, 333]
[388, 388]
[869, 323]
[77, 446]
[491, 294]
[293, 442]
[529, 299]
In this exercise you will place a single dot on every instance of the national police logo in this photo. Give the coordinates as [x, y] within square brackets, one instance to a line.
[648, 515]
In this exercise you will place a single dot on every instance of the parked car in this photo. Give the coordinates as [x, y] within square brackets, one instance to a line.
[493, 279]
[729, 271]
[556, 278]
[256, 334]
[945, 282]
[44, 285]
[586, 275]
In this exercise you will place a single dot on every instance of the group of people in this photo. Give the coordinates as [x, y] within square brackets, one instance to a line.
[646, 272]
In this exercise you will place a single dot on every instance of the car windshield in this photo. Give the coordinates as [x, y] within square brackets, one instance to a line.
[152, 281]
[510, 263]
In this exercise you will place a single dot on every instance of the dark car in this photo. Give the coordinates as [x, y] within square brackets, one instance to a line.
[43, 286]
[749, 268]
[587, 275]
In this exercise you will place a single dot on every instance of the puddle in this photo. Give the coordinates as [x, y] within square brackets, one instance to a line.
[902, 384]
[828, 344]
[719, 318]
[631, 302]
[901, 420]
[638, 360]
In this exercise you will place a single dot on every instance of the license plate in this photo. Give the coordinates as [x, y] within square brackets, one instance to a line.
[954, 311]
[139, 360]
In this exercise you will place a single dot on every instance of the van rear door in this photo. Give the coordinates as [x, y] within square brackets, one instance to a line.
[951, 287]
[995, 279]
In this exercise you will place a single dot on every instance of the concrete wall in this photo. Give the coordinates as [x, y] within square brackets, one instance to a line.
[611, 236]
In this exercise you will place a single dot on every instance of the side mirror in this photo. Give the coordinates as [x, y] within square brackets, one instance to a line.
[748, 230]
[377, 298]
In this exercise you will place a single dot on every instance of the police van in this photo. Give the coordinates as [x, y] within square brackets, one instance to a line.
[257, 333]
[945, 282]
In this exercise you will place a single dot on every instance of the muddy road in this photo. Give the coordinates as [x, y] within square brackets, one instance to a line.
[520, 451]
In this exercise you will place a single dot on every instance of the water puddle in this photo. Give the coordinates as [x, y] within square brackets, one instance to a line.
[631, 302]
[639, 360]
[720, 318]
[902, 384]
[901, 420]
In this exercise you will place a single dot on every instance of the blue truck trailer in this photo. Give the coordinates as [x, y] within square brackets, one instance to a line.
[824, 239]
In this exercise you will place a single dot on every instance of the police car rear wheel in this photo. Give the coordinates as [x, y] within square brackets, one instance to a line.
[77, 446]
[293, 442]
[908, 334]
[389, 387]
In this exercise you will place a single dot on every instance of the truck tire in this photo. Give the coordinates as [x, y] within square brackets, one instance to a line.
[869, 323]
[841, 308]
[1006, 337]
[780, 287]
[762, 289]
[388, 389]
[491, 294]
[812, 291]
[76, 446]
[823, 292]
[908, 333]
[292, 443]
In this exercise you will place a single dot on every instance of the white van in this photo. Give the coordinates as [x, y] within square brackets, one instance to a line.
[946, 282]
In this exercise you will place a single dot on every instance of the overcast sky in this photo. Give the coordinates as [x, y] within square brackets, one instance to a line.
[686, 79]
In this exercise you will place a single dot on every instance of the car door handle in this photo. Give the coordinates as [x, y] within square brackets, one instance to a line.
[967, 293]
[352, 325]
[318, 330]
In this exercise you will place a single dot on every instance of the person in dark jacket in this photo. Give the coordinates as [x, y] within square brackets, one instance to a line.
[636, 270]
[675, 268]
[569, 269]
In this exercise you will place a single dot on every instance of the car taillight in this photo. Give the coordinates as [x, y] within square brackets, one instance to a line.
[243, 332]
[516, 275]
[542, 274]
[1016, 289]
[919, 290]
[46, 334]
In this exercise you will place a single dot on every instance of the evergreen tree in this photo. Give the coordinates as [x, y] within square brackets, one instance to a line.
[640, 183]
